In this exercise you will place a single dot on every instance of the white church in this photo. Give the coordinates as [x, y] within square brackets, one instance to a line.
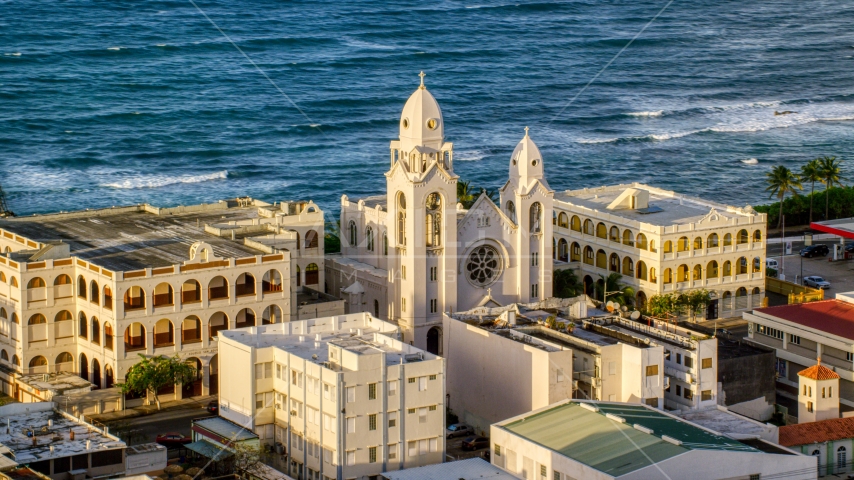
[413, 253]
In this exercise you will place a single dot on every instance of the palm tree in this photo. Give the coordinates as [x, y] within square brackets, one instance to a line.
[566, 284]
[830, 175]
[811, 172]
[464, 194]
[781, 181]
[615, 291]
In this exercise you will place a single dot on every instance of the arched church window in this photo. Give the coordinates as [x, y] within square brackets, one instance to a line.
[401, 219]
[385, 243]
[511, 211]
[369, 239]
[434, 220]
[353, 233]
[536, 217]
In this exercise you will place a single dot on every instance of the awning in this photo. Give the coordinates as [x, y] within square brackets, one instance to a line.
[209, 450]
[844, 227]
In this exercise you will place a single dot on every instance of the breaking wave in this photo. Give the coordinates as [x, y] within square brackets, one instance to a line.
[156, 181]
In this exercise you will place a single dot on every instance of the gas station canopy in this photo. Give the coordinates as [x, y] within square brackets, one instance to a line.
[844, 227]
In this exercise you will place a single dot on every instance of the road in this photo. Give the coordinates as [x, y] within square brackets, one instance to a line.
[145, 429]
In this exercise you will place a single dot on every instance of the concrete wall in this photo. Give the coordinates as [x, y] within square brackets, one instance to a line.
[748, 378]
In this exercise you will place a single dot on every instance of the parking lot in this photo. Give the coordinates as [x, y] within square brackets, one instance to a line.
[840, 274]
[455, 451]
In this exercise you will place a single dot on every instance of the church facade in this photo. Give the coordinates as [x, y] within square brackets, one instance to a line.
[413, 253]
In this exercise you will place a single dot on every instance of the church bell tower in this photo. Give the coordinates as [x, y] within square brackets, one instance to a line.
[422, 204]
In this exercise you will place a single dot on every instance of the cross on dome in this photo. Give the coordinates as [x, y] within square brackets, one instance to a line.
[422, 75]
[526, 131]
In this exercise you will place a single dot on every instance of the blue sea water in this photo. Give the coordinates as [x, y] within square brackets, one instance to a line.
[111, 103]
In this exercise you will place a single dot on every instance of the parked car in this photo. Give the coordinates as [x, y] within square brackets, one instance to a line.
[816, 282]
[213, 407]
[459, 430]
[771, 263]
[475, 443]
[172, 440]
[815, 250]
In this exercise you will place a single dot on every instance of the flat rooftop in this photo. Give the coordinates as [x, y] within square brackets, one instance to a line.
[359, 333]
[224, 428]
[612, 444]
[59, 383]
[665, 207]
[132, 238]
[723, 421]
[52, 429]
[831, 316]
[472, 468]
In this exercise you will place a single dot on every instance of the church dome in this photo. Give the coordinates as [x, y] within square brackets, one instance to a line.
[421, 120]
[526, 155]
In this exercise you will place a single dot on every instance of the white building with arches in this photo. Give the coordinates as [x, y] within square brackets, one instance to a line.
[662, 242]
[89, 291]
[413, 253]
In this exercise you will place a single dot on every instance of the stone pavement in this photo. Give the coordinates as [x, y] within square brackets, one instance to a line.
[172, 405]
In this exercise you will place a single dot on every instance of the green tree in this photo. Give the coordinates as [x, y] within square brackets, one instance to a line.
[665, 305]
[151, 374]
[831, 175]
[781, 181]
[465, 195]
[247, 459]
[695, 301]
[565, 284]
[616, 291]
[811, 172]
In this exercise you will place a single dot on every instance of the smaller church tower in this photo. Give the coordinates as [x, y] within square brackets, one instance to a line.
[818, 394]
[529, 201]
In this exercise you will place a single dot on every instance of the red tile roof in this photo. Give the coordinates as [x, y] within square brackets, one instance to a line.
[818, 372]
[817, 432]
[832, 316]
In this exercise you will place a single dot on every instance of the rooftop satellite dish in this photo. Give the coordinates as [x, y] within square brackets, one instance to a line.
[635, 315]
[646, 341]
[624, 308]
[616, 306]
[610, 304]
[609, 308]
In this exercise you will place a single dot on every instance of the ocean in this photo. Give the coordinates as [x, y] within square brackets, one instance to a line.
[116, 103]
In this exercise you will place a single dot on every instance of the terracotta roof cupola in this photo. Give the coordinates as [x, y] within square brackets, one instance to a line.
[819, 372]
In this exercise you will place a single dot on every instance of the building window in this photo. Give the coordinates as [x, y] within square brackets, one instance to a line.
[706, 395]
[689, 395]
[372, 391]
[372, 454]
[411, 380]
[392, 451]
[403, 304]
[679, 358]
[351, 424]
[422, 415]
[689, 362]
[756, 476]
[497, 449]
[849, 356]
[434, 305]
[392, 388]
[707, 363]
[535, 288]
[372, 421]
[794, 339]
[432, 408]
[678, 391]
[651, 370]
[351, 457]
[543, 470]
[556, 475]
[434, 274]
[392, 419]
[410, 411]
[422, 384]
[351, 394]
[770, 332]
[535, 260]
[432, 377]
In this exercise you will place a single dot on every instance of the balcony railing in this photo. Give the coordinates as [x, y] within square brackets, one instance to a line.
[271, 287]
[161, 299]
[108, 341]
[108, 302]
[191, 336]
[216, 293]
[137, 303]
[134, 343]
[164, 339]
[192, 296]
[245, 289]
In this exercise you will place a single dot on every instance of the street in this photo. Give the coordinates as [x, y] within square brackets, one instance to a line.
[146, 428]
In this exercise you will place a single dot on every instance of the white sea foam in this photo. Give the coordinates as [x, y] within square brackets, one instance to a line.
[114, 48]
[750, 161]
[161, 44]
[156, 181]
[367, 45]
[14, 54]
[656, 113]
[469, 155]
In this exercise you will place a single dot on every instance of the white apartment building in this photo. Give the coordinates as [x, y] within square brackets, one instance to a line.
[589, 440]
[344, 396]
[661, 242]
[802, 333]
[489, 349]
[88, 291]
[690, 358]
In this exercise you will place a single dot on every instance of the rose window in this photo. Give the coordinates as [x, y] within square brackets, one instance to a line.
[483, 266]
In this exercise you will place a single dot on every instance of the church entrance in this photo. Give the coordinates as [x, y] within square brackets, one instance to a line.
[434, 341]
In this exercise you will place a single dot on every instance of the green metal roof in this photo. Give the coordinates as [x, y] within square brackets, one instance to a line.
[611, 446]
